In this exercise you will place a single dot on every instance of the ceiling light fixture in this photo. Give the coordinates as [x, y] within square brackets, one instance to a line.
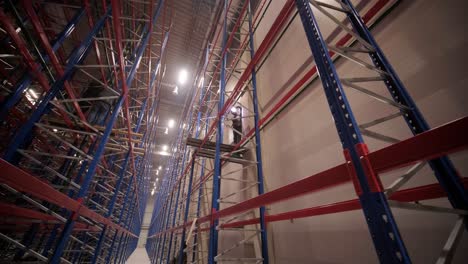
[160, 167]
[164, 147]
[183, 76]
[166, 131]
[176, 90]
[171, 123]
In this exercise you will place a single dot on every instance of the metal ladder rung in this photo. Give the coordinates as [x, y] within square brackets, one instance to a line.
[237, 244]
[239, 259]
[404, 178]
[356, 60]
[375, 95]
[341, 25]
[380, 120]
[423, 207]
[237, 229]
[241, 190]
[363, 79]
[379, 136]
[336, 8]
[233, 179]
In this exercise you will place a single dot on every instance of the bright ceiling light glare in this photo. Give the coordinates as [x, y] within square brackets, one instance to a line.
[176, 90]
[160, 167]
[164, 147]
[157, 172]
[166, 131]
[33, 94]
[152, 192]
[55, 130]
[183, 76]
[234, 110]
[171, 123]
[157, 179]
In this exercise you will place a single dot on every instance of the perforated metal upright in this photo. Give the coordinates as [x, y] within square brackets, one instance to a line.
[372, 195]
[76, 163]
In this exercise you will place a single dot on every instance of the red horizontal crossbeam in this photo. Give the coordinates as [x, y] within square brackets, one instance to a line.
[426, 192]
[434, 143]
[9, 210]
[377, 7]
[25, 182]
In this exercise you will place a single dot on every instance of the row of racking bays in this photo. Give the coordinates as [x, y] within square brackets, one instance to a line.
[211, 204]
[76, 164]
[78, 120]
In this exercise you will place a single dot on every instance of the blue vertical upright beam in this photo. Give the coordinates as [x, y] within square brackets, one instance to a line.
[24, 133]
[127, 193]
[258, 147]
[27, 79]
[166, 222]
[63, 240]
[202, 169]
[382, 226]
[213, 244]
[442, 167]
[176, 205]
[187, 208]
[161, 215]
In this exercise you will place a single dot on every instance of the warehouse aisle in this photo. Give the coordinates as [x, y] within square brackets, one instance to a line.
[139, 256]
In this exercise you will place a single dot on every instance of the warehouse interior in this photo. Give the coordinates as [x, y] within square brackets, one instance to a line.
[233, 131]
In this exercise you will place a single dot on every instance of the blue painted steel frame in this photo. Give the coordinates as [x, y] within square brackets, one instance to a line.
[213, 242]
[187, 207]
[117, 187]
[175, 206]
[24, 133]
[28, 77]
[382, 226]
[442, 167]
[258, 147]
[97, 155]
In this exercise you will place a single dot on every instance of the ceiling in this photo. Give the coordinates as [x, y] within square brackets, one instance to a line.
[189, 23]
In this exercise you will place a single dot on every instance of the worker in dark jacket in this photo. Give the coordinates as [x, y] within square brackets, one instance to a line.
[237, 124]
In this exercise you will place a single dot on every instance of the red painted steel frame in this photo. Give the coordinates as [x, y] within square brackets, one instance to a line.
[15, 211]
[25, 182]
[23, 50]
[422, 193]
[436, 142]
[53, 58]
[123, 79]
[308, 75]
[264, 46]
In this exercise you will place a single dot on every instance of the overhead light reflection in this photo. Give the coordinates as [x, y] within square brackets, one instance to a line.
[171, 123]
[183, 76]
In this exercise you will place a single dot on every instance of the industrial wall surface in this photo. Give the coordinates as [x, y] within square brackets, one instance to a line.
[426, 43]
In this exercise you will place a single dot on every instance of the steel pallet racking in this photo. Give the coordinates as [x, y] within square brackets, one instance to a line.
[204, 215]
[76, 167]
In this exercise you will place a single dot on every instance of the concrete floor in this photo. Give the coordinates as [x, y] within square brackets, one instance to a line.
[139, 256]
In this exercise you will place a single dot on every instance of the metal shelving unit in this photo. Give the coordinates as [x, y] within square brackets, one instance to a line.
[75, 163]
[205, 218]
